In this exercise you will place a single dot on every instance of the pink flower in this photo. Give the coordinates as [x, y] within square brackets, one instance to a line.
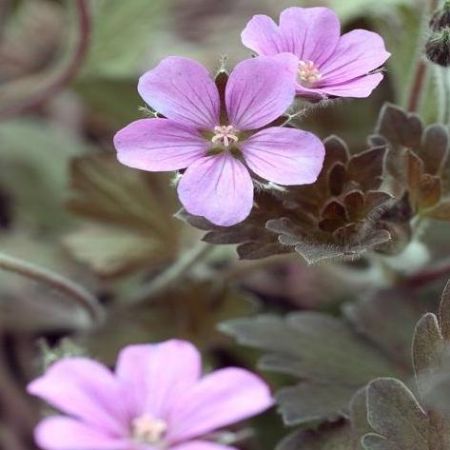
[155, 400]
[328, 64]
[220, 140]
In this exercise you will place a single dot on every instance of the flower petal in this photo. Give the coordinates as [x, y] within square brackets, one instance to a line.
[218, 188]
[84, 389]
[262, 35]
[359, 88]
[201, 445]
[357, 53]
[284, 155]
[219, 399]
[154, 375]
[159, 145]
[260, 90]
[182, 89]
[310, 33]
[64, 433]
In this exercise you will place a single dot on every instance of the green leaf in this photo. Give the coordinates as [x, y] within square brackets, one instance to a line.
[34, 156]
[351, 9]
[444, 312]
[389, 307]
[325, 353]
[115, 101]
[396, 417]
[333, 358]
[403, 17]
[335, 436]
[112, 250]
[123, 32]
[417, 161]
[427, 346]
[131, 215]
[343, 434]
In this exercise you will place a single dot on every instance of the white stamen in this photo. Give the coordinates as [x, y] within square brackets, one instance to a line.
[225, 135]
[147, 429]
[308, 73]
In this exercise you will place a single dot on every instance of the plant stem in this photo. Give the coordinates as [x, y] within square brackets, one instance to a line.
[443, 89]
[173, 273]
[417, 86]
[5, 8]
[426, 276]
[421, 69]
[84, 298]
[67, 74]
[244, 268]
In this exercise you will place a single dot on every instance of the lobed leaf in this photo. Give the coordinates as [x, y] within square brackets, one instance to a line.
[130, 214]
[332, 218]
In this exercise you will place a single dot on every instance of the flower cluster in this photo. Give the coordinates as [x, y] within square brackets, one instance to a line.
[225, 136]
[156, 399]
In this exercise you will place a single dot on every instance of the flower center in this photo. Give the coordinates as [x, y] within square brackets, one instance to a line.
[225, 135]
[148, 430]
[308, 73]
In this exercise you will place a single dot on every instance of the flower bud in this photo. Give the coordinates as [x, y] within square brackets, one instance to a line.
[437, 47]
[441, 18]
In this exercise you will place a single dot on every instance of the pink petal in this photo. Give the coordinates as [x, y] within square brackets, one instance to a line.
[154, 375]
[310, 33]
[260, 90]
[357, 53]
[262, 35]
[358, 88]
[218, 188]
[182, 89]
[64, 433]
[84, 389]
[159, 145]
[201, 445]
[284, 155]
[219, 399]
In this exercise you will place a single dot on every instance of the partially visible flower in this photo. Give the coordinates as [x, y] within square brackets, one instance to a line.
[441, 18]
[155, 400]
[329, 65]
[221, 140]
[437, 47]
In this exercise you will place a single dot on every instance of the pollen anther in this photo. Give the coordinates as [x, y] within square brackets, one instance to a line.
[225, 135]
[147, 429]
[308, 73]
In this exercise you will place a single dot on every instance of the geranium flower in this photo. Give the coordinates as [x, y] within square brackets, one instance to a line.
[220, 140]
[155, 400]
[328, 64]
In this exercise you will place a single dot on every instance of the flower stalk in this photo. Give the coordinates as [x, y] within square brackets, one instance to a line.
[55, 281]
[443, 88]
[67, 73]
[173, 273]
[420, 72]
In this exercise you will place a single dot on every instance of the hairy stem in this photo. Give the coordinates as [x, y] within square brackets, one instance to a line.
[419, 79]
[31, 271]
[5, 8]
[173, 273]
[67, 74]
[418, 85]
[443, 90]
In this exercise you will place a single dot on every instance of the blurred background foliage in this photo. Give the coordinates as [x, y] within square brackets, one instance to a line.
[67, 205]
